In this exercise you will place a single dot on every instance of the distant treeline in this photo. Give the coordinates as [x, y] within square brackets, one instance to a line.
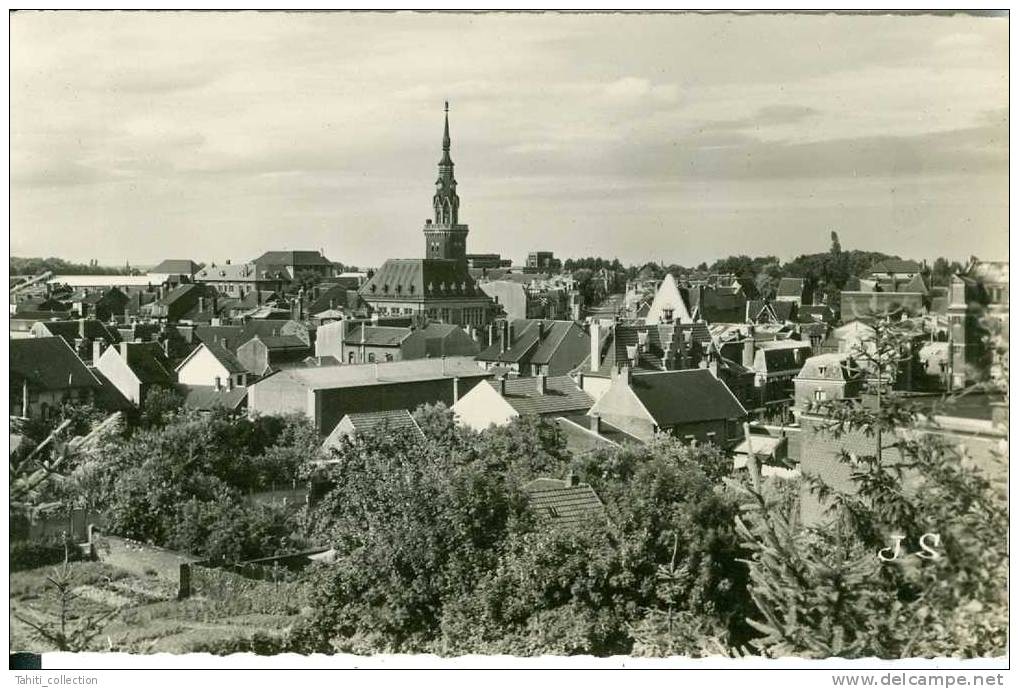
[34, 266]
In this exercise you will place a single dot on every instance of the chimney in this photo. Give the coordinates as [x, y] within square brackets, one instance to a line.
[503, 336]
[201, 304]
[580, 380]
[502, 385]
[509, 330]
[230, 383]
[123, 349]
[571, 478]
[542, 383]
[748, 351]
[595, 345]
[541, 329]
[596, 423]
[219, 384]
[456, 389]
[81, 328]
[97, 350]
[491, 334]
[166, 347]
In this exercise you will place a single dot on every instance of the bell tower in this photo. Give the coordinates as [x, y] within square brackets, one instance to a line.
[444, 236]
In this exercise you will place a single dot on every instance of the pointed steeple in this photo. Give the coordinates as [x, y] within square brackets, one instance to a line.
[446, 160]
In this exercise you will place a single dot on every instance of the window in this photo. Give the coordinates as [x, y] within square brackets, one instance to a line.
[821, 370]
[820, 395]
[371, 357]
[389, 357]
[350, 357]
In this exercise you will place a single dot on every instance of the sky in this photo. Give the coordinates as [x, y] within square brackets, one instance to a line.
[675, 138]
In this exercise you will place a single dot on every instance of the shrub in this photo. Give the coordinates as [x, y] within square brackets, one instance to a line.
[40, 553]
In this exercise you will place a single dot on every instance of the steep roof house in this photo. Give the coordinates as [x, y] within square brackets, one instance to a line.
[351, 425]
[497, 402]
[792, 289]
[264, 353]
[86, 336]
[532, 347]
[690, 404]
[668, 305]
[44, 374]
[136, 367]
[211, 364]
[827, 377]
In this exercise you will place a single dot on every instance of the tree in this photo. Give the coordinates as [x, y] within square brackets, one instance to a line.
[853, 587]
[159, 405]
[68, 632]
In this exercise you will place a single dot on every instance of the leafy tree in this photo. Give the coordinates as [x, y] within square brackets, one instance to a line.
[159, 405]
[824, 591]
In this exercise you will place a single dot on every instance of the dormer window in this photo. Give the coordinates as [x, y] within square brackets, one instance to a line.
[822, 370]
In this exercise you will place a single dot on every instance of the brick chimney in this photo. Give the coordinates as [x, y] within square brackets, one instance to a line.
[456, 389]
[123, 349]
[81, 328]
[748, 351]
[596, 423]
[595, 344]
[218, 384]
[502, 385]
[542, 381]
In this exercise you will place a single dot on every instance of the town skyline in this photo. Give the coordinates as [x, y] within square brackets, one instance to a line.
[581, 140]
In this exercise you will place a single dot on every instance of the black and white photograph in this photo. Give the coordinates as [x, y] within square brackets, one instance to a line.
[560, 339]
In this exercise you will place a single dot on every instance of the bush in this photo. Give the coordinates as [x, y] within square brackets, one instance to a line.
[32, 554]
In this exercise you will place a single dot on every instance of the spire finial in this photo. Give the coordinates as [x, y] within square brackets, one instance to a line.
[445, 137]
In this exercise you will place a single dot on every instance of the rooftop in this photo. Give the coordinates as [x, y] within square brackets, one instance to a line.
[561, 395]
[384, 373]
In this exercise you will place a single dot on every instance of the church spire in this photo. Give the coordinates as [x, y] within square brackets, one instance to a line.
[446, 160]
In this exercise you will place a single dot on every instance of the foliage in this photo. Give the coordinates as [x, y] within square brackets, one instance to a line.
[25, 554]
[159, 405]
[35, 266]
[73, 633]
[824, 591]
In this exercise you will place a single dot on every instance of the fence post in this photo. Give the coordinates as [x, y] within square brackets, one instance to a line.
[184, 588]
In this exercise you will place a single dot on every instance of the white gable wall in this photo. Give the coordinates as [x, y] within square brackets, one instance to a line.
[482, 407]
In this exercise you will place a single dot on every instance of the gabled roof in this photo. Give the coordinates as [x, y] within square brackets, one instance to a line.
[526, 345]
[207, 397]
[222, 355]
[230, 272]
[50, 364]
[688, 396]
[836, 366]
[784, 310]
[396, 419]
[563, 502]
[293, 258]
[895, 265]
[148, 362]
[377, 336]
[177, 266]
[72, 330]
[613, 351]
[790, 287]
[562, 395]
[281, 343]
[418, 278]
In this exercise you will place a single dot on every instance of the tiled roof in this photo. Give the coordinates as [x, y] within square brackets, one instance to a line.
[895, 265]
[377, 336]
[71, 330]
[396, 419]
[293, 258]
[675, 397]
[526, 344]
[230, 272]
[834, 366]
[784, 310]
[563, 503]
[207, 397]
[148, 362]
[417, 278]
[49, 363]
[790, 287]
[613, 350]
[282, 342]
[222, 355]
[177, 266]
[561, 395]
